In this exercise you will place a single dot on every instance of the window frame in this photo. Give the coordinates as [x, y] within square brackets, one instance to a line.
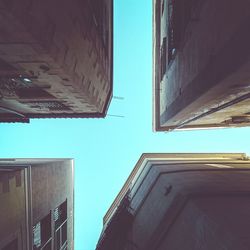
[59, 228]
[49, 239]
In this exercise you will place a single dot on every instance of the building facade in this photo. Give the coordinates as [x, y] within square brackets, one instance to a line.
[181, 201]
[36, 197]
[56, 59]
[201, 64]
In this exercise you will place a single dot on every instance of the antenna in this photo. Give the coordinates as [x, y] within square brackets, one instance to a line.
[118, 97]
[120, 116]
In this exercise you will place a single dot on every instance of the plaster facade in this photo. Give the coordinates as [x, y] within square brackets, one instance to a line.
[36, 204]
[201, 64]
[181, 201]
[56, 59]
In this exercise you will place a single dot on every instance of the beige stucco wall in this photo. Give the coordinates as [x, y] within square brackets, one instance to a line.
[57, 44]
[52, 184]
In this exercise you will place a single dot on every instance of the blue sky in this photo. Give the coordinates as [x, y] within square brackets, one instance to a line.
[106, 150]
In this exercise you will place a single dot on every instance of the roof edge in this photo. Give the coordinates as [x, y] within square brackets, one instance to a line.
[171, 157]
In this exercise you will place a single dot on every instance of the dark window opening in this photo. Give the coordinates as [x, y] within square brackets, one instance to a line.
[51, 105]
[33, 93]
[42, 236]
[163, 57]
[241, 119]
[60, 220]
[60, 214]
[47, 246]
[162, 7]
[171, 31]
[180, 14]
[64, 232]
[46, 228]
[57, 240]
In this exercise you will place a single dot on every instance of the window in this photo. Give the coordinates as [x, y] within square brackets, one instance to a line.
[60, 221]
[42, 236]
[180, 14]
[162, 7]
[50, 105]
[33, 93]
[171, 31]
[163, 57]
